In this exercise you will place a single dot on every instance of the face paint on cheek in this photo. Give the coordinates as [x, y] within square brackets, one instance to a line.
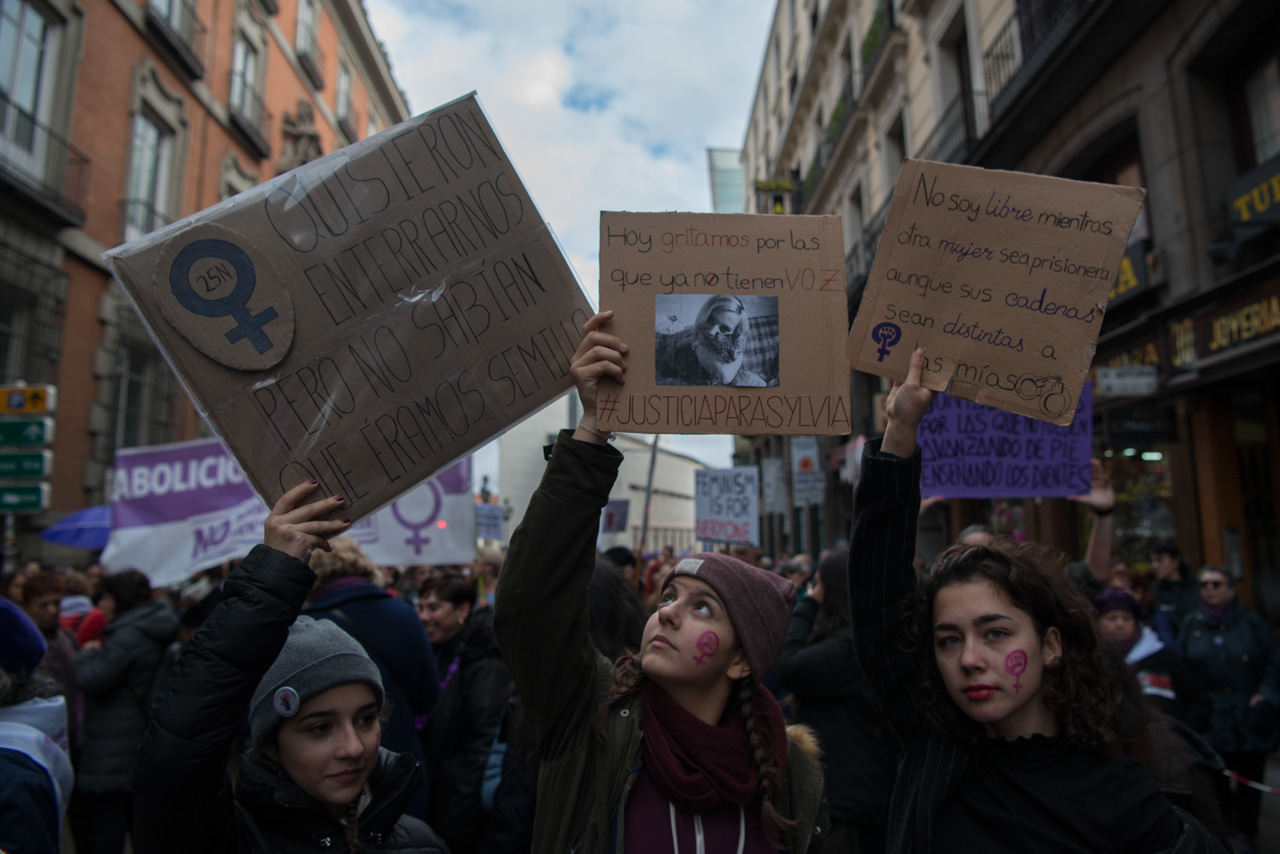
[1015, 663]
[707, 644]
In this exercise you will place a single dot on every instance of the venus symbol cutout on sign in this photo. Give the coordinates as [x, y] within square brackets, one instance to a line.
[223, 262]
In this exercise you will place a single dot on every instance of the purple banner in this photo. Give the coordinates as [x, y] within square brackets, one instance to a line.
[973, 451]
[161, 483]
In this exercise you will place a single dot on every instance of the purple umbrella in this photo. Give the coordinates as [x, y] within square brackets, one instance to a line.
[84, 529]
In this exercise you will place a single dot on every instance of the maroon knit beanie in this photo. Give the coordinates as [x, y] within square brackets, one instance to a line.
[758, 602]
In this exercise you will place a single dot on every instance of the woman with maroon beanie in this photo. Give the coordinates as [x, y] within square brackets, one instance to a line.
[715, 769]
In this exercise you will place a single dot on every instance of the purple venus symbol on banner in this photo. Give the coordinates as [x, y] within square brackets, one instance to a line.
[416, 539]
[886, 335]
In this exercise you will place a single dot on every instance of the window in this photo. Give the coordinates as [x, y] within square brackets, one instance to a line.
[343, 95]
[371, 125]
[145, 397]
[147, 194]
[306, 26]
[1262, 100]
[26, 45]
[12, 333]
[244, 80]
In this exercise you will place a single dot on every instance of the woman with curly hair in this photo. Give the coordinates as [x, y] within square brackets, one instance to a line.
[677, 748]
[998, 692]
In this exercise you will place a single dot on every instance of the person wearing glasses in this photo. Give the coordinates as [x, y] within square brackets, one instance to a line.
[1232, 650]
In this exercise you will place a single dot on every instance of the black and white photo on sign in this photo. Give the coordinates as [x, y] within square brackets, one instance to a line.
[716, 340]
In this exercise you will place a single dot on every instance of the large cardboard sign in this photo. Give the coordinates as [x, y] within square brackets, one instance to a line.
[369, 318]
[735, 323]
[180, 508]
[727, 505]
[1002, 278]
[973, 451]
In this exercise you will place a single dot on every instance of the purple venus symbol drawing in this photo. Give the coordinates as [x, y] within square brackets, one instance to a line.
[886, 335]
[415, 529]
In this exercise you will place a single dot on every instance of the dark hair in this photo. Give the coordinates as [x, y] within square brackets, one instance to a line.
[1166, 547]
[616, 618]
[629, 679]
[1134, 579]
[454, 588]
[42, 583]
[833, 614]
[620, 556]
[1208, 567]
[1078, 691]
[129, 588]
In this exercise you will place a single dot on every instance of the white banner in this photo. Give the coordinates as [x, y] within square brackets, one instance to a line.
[184, 507]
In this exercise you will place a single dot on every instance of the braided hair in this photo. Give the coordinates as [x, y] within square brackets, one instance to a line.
[768, 774]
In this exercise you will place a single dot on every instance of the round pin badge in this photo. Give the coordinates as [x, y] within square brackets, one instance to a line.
[286, 702]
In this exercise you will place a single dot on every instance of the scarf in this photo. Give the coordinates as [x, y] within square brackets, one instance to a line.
[1216, 614]
[704, 768]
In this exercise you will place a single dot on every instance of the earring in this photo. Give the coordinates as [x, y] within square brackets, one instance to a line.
[460, 621]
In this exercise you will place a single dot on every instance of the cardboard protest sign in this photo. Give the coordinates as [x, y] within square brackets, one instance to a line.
[727, 505]
[368, 318]
[735, 323]
[973, 451]
[180, 508]
[489, 521]
[1002, 278]
[807, 479]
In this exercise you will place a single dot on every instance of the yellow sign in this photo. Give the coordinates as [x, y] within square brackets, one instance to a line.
[28, 399]
[1243, 324]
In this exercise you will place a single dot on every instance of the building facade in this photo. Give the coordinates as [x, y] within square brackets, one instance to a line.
[116, 118]
[1181, 97]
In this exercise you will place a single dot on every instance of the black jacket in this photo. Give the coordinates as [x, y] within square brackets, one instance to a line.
[115, 681]
[859, 753]
[882, 580]
[461, 728]
[182, 795]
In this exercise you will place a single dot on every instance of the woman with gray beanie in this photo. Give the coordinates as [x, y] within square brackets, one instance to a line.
[316, 776]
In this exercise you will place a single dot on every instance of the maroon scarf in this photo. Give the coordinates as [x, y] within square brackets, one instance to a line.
[703, 768]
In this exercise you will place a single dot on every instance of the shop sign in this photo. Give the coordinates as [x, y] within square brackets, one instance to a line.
[775, 187]
[1253, 202]
[1182, 345]
[1133, 381]
[1139, 426]
[1259, 318]
[1132, 279]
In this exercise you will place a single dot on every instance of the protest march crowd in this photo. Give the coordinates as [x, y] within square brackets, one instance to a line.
[559, 699]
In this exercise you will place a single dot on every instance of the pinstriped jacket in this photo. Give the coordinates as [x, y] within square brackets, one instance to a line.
[882, 577]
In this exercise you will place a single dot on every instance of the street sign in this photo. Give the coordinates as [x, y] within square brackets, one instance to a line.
[26, 431]
[30, 464]
[28, 399]
[1127, 381]
[32, 498]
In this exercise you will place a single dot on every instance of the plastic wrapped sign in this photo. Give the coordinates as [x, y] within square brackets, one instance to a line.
[369, 318]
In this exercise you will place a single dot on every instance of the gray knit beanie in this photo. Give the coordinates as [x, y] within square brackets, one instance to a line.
[317, 656]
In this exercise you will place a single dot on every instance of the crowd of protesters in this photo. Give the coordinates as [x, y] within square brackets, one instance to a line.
[860, 700]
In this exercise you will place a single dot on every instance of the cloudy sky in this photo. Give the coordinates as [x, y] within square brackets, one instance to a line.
[601, 105]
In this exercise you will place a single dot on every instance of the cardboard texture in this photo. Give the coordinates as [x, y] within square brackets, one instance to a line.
[735, 323]
[368, 318]
[969, 450]
[1002, 278]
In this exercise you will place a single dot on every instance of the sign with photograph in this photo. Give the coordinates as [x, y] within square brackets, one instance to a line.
[614, 518]
[368, 318]
[180, 508]
[735, 323]
[727, 505]
[973, 451]
[1003, 279]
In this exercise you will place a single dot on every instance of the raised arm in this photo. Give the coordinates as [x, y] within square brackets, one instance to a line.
[182, 797]
[1101, 499]
[882, 551]
[540, 616]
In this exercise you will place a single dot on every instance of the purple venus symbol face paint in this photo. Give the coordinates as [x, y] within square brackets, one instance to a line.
[708, 643]
[1015, 664]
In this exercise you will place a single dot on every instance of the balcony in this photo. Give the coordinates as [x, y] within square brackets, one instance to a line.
[804, 87]
[40, 166]
[310, 57]
[181, 32]
[139, 217]
[249, 116]
[1044, 58]
[884, 45]
[952, 137]
[841, 118]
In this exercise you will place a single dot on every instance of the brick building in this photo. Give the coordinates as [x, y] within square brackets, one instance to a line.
[118, 117]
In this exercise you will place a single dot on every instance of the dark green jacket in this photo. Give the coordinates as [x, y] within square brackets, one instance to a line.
[541, 622]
